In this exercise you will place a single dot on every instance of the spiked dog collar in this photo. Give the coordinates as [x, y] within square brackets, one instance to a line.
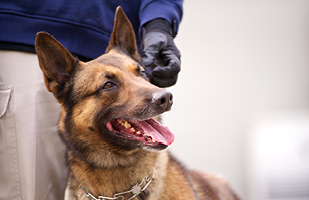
[135, 190]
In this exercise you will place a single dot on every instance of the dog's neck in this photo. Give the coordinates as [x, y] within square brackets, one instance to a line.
[110, 181]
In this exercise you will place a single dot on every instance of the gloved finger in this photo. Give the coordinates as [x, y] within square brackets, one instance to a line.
[171, 69]
[164, 82]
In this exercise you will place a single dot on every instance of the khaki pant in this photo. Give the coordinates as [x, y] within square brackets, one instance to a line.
[31, 153]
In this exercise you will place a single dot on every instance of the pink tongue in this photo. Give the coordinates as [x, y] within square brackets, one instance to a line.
[157, 131]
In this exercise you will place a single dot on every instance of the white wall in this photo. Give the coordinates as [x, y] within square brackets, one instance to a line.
[239, 59]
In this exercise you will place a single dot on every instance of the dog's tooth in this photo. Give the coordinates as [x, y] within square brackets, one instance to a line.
[154, 140]
[138, 133]
[145, 135]
[132, 129]
[120, 121]
[127, 124]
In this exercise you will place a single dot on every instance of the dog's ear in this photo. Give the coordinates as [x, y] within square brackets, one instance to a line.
[123, 35]
[56, 63]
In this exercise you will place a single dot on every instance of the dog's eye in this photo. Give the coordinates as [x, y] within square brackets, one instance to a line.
[108, 85]
[142, 72]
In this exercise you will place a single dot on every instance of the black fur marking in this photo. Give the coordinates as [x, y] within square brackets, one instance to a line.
[184, 172]
[141, 196]
[205, 185]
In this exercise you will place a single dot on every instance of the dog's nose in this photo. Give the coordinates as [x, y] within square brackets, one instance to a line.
[163, 99]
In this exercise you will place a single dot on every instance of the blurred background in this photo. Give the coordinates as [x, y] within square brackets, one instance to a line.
[241, 103]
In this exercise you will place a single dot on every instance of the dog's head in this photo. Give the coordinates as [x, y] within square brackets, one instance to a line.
[107, 103]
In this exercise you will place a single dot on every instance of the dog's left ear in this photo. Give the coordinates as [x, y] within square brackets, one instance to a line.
[123, 35]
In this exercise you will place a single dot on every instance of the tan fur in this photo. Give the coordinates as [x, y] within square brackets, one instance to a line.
[100, 163]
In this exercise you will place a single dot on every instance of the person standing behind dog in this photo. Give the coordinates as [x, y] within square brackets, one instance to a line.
[31, 154]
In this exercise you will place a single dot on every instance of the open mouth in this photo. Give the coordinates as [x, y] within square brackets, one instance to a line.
[150, 132]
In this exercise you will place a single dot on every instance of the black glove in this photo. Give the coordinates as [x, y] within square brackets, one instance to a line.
[160, 56]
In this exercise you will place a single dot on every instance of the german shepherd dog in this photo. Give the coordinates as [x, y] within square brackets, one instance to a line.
[114, 147]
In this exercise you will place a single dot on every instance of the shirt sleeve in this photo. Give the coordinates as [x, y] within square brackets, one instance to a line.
[170, 10]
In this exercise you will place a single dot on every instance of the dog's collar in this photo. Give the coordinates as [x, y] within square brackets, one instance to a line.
[136, 190]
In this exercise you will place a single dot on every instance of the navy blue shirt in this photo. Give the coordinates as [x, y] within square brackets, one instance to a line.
[82, 26]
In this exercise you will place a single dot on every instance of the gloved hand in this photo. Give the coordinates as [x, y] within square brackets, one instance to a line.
[160, 56]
